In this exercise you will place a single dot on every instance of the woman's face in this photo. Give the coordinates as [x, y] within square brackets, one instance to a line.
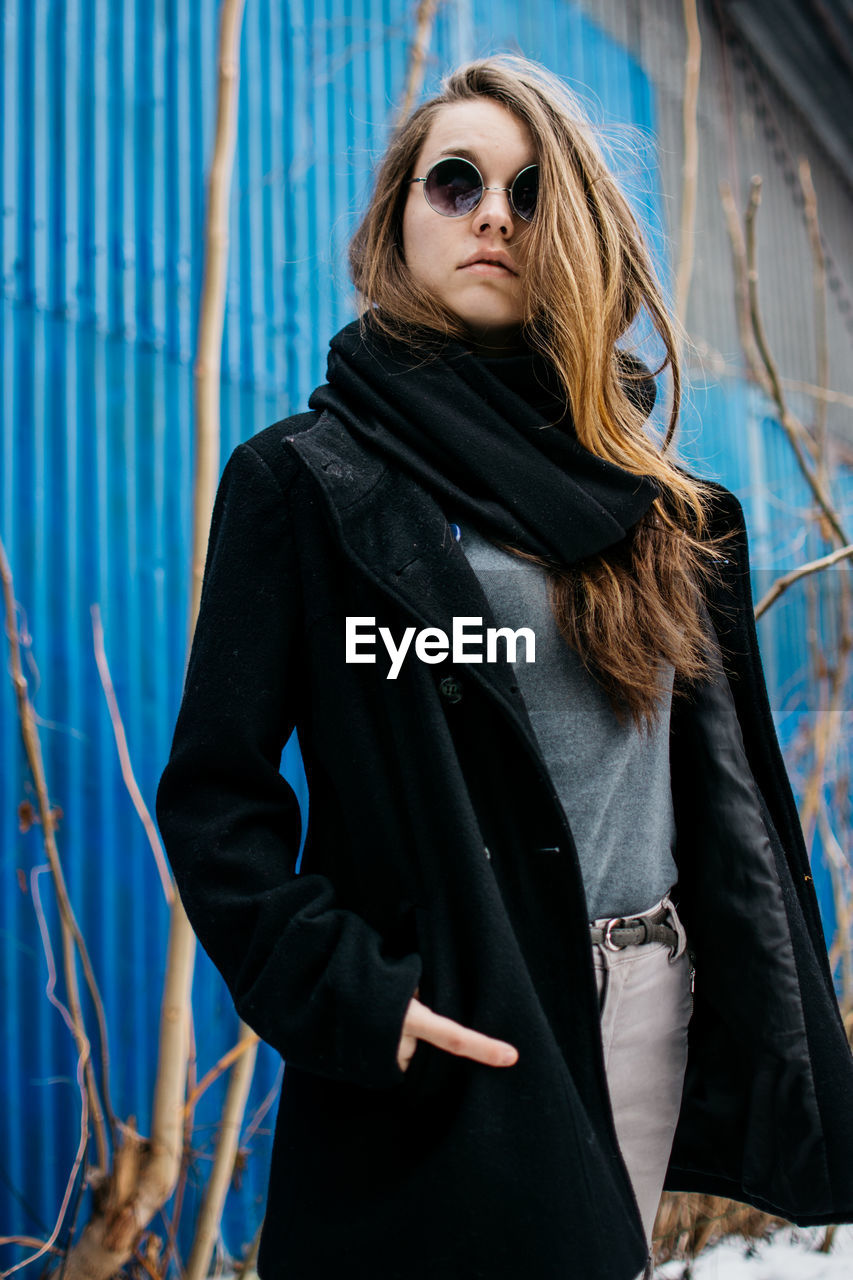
[486, 298]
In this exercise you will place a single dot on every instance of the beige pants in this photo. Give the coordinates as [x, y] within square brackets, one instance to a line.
[645, 1003]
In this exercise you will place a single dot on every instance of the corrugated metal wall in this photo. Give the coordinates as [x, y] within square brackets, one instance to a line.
[107, 128]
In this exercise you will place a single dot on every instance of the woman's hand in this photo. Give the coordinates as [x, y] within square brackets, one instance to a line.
[421, 1023]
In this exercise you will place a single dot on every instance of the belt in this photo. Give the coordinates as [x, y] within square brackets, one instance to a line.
[623, 931]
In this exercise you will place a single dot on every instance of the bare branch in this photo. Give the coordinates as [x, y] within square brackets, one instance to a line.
[70, 932]
[226, 1150]
[792, 427]
[245, 1042]
[49, 1245]
[247, 1269]
[124, 755]
[839, 871]
[690, 164]
[814, 566]
[744, 320]
[427, 10]
[28, 1242]
[819, 284]
[710, 359]
[264, 1105]
[207, 366]
[826, 394]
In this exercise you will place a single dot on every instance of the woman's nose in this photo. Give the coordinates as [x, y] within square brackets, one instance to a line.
[495, 209]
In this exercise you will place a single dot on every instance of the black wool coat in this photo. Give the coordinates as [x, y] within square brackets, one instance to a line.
[437, 855]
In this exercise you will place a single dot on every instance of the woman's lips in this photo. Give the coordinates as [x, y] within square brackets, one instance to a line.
[488, 269]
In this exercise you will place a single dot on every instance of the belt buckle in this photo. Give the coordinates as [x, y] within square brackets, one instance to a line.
[614, 922]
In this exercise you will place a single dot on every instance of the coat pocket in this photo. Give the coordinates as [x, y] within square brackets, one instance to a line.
[429, 1067]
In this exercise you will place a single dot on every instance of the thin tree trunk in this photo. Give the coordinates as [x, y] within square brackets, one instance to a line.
[145, 1171]
[690, 163]
[219, 1180]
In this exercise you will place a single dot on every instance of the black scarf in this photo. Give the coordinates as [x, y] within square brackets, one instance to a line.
[470, 430]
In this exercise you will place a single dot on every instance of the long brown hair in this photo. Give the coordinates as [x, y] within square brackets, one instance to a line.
[632, 609]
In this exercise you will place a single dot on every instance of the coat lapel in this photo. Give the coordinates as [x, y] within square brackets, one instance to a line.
[397, 533]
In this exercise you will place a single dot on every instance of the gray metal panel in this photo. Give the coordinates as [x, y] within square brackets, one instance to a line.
[747, 125]
[808, 50]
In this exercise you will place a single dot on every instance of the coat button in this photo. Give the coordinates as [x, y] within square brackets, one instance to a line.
[451, 688]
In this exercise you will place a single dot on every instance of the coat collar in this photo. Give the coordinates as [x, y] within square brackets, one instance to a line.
[397, 533]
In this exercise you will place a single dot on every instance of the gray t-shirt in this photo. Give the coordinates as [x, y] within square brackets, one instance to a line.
[613, 780]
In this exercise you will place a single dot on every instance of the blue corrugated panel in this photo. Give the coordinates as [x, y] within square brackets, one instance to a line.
[107, 125]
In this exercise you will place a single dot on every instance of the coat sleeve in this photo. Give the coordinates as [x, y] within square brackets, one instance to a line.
[308, 976]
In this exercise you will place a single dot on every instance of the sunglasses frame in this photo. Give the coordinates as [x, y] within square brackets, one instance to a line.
[483, 188]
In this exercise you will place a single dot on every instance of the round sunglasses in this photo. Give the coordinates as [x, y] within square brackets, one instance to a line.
[454, 186]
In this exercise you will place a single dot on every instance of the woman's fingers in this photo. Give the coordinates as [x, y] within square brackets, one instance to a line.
[467, 1043]
[422, 1023]
[406, 1050]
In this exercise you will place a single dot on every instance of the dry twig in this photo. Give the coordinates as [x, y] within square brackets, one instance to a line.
[427, 10]
[791, 425]
[124, 755]
[821, 340]
[744, 320]
[226, 1150]
[72, 939]
[690, 162]
[248, 1039]
[814, 566]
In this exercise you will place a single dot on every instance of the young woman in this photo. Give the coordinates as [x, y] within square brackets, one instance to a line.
[516, 641]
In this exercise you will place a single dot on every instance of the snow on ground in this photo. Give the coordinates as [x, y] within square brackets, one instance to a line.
[788, 1255]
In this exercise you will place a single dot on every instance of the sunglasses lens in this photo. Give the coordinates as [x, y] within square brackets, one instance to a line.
[453, 187]
[525, 189]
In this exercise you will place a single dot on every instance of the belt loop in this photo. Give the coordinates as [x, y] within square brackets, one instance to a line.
[677, 926]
